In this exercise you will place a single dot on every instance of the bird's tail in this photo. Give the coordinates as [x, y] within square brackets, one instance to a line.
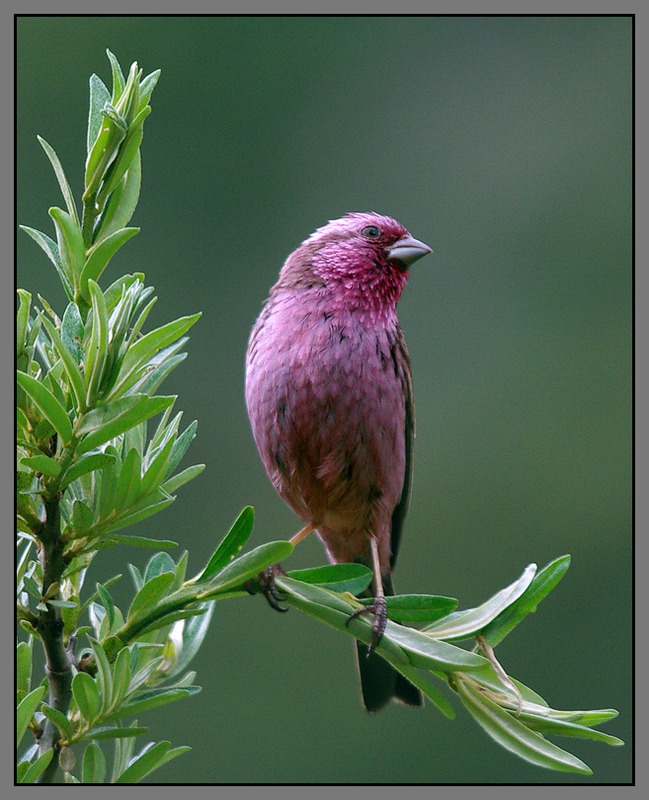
[380, 682]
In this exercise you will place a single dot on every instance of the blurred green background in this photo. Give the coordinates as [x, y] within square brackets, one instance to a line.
[503, 142]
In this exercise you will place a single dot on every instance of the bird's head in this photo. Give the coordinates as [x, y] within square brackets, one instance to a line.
[361, 258]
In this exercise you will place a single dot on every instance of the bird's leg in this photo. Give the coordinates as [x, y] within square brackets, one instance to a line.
[306, 530]
[265, 581]
[379, 607]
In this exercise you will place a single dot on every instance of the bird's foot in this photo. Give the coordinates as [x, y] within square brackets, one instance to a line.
[265, 583]
[380, 610]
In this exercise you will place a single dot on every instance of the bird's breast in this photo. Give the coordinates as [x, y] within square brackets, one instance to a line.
[326, 399]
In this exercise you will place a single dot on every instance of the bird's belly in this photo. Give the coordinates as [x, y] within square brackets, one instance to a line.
[329, 422]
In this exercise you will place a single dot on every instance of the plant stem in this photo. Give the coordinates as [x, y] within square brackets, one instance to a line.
[50, 627]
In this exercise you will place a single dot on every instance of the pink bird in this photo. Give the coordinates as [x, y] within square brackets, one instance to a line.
[329, 396]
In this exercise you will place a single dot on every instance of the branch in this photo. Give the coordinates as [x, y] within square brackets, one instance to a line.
[50, 628]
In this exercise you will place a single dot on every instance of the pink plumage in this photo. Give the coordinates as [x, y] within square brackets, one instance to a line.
[329, 396]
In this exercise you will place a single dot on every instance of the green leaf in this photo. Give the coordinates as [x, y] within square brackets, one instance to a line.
[174, 483]
[70, 364]
[153, 699]
[557, 727]
[23, 667]
[106, 422]
[194, 633]
[99, 96]
[100, 254]
[113, 732]
[331, 608]
[511, 733]
[353, 578]
[541, 585]
[97, 350]
[122, 202]
[93, 767]
[419, 607]
[151, 760]
[464, 624]
[418, 679]
[416, 645]
[47, 404]
[118, 77]
[139, 541]
[149, 595]
[25, 711]
[104, 674]
[147, 346]
[181, 445]
[44, 464]
[51, 249]
[86, 695]
[156, 470]
[147, 86]
[82, 517]
[159, 564]
[230, 546]
[59, 719]
[121, 677]
[22, 320]
[70, 243]
[108, 603]
[143, 509]
[127, 152]
[248, 566]
[168, 619]
[72, 332]
[38, 767]
[129, 484]
[89, 462]
[63, 181]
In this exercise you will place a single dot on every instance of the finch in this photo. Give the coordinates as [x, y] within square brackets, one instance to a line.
[329, 396]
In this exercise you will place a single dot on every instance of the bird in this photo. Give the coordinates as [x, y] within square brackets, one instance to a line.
[329, 396]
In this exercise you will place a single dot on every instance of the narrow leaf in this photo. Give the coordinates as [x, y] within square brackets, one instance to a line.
[86, 695]
[70, 243]
[25, 712]
[149, 595]
[93, 766]
[463, 624]
[249, 565]
[153, 699]
[171, 485]
[542, 584]
[230, 546]
[51, 249]
[38, 767]
[99, 96]
[47, 404]
[154, 758]
[511, 733]
[72, 370]
[59, 719]
[63, 181]
[353, 578]
[44, 464]
[107, 422]
[100, 255]
[89, 462]
[113, 732]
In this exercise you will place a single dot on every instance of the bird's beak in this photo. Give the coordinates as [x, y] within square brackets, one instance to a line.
[407, 250]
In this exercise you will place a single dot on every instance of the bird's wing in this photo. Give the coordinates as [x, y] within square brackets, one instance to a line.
[399, 514]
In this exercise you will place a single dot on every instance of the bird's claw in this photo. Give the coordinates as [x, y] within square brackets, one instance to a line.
[380, 610]
[265, 583]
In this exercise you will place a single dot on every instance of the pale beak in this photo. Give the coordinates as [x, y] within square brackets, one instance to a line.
[407, 250]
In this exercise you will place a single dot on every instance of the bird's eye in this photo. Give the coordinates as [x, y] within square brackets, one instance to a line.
[371, 231]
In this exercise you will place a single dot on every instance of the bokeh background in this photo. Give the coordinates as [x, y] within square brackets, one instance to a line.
[506, 144]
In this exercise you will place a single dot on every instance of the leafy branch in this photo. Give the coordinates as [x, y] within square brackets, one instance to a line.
[98, 450]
